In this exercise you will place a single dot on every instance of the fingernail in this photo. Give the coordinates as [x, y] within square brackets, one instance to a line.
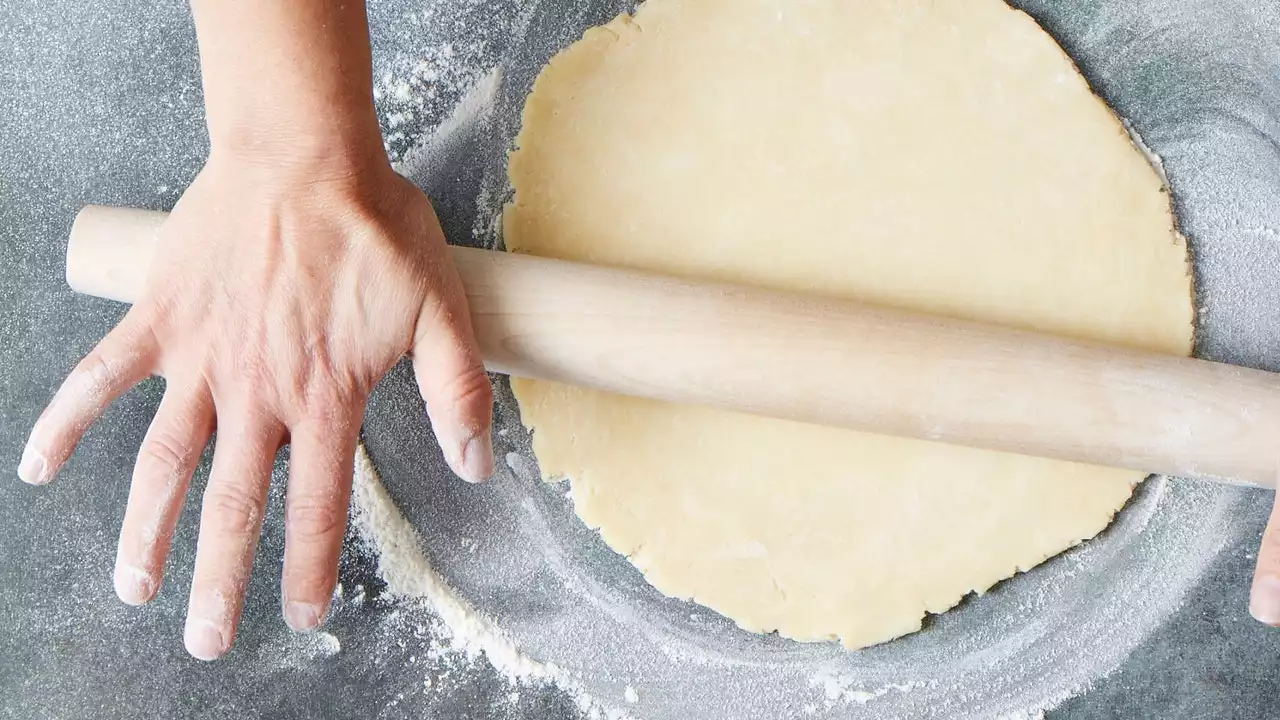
[203, 640]
[32, 467]
[1264, 601]
[134, 585]
[477, 458]
[302, 617]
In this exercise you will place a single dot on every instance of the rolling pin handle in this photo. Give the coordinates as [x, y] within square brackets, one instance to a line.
[110, 249]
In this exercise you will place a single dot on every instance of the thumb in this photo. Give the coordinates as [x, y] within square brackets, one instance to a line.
[1264, 598]
[452, 380]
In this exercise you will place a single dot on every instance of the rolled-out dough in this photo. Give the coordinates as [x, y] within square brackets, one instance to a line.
[940, 155]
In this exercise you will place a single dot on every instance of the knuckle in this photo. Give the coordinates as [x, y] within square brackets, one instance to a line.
[230, 512]
[470, 392]
[162, 455]
[94, 371]
[315, 518]
[326, 411]
[254, 373]
[325, 396]
[312, 384]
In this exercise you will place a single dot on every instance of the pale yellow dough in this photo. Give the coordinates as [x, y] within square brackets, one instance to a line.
[941, 155]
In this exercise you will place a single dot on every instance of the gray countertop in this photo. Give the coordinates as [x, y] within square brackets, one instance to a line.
[101, 103]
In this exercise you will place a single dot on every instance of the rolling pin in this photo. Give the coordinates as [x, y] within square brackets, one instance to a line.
[822, 361]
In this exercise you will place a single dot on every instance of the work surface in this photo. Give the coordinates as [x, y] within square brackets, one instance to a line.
[101, 103]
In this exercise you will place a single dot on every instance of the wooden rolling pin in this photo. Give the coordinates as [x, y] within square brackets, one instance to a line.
[820, 361]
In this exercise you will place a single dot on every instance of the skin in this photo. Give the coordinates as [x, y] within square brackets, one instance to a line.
[293, 274]
[1264, 596]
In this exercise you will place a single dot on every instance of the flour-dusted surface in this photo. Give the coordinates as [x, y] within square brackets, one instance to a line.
[100, 102]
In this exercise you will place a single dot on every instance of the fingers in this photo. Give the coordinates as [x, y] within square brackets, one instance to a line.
[166, 461]
[123, 359]
[453, 382]
[1264, 598]
[230, 523]
[321, 463]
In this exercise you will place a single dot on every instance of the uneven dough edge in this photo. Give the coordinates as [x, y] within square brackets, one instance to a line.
[536, 397]
[582, 58]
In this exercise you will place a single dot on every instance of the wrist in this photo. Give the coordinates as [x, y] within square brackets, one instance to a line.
[309, 152]
[288, 84]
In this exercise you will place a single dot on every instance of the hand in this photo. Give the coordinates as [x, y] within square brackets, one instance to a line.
[279, 296]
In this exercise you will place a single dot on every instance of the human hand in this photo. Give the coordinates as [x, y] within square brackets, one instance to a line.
[281, 293]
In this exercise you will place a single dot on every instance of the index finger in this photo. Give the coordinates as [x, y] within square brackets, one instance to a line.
[124, 358]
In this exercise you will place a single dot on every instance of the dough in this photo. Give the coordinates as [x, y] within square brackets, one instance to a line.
[938, 155]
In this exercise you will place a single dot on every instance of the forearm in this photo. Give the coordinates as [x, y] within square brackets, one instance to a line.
[289, 81]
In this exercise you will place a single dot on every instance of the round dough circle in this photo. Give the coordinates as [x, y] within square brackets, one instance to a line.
[942, 156]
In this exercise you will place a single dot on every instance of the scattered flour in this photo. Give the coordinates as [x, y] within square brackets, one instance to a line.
[474, 106]
[408, 574]
[297, 651]
[837, 689]
[456, 43]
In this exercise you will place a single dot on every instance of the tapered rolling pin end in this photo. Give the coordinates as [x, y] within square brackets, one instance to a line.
[110, 249]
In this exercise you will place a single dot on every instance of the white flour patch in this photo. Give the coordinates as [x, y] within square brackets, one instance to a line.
[836, 689]
[454, 44]
[409, 574]
[469, 634]
[297, 651]
[475, 106]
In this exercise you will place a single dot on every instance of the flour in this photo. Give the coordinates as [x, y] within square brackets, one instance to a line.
[474, 108]
[408, 574]
[836, 689]
[297, 651]
[457, 43]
